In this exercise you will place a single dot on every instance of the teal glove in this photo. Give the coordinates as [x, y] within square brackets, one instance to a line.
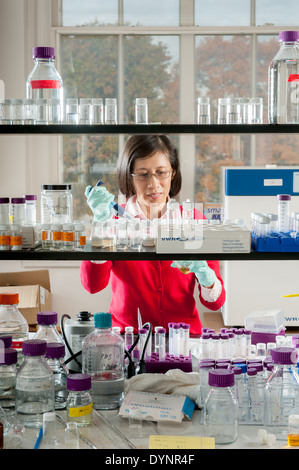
[99, 200]
[205, 275]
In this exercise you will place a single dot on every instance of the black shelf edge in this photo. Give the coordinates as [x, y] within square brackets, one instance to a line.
[41, 255]
[67, 129]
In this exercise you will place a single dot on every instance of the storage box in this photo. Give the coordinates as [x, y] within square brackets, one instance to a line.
[34, 291]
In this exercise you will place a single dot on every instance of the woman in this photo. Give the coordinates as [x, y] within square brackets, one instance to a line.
[148, 173]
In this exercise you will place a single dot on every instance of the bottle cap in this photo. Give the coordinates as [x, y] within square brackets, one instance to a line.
[8, 356]
[43, 53]
[55, 350]
[283, 197]
[18, 200]
[79, 382]
[9, 298]
[30, 197]
[49, 416]
[251, 371]
[284, 356]
[47, 318]
[34, 347]
[5, 341]
[4, 200]
[288, 36]
[56, 187]
[221, 378]
[102, 320]
[256, 365]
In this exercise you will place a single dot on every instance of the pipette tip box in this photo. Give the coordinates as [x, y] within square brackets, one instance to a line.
[154, 365]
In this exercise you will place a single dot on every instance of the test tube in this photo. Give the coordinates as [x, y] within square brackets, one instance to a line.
[176, 339]
[156, 337]
[283, 203]
[185, 328]
[205, 341]
[4, 210]
[30, 209]
[161, 336]
[129, 336]
[17, 210]
[170, 338]
[142, 339]
[203, 110]
[141, 111]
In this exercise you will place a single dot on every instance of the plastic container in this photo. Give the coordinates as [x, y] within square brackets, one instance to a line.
[110, 111]
[46, 236]
[283, 105]
[34, 385]
[56, 204]
[68, 237]
[282, 392]
[16, 237]
[141, 111]
[12, 321]
[4, 210]
[8, 361]
[221, 408]
[30, 209]
[79, 402]
[44, 82]
[17, 210]
[47, 327]
[56, 237]
[4, 237]
[283, 208]
[55, 354]
[103, 359]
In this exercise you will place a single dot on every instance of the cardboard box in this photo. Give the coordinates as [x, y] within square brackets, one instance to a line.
[34, 291]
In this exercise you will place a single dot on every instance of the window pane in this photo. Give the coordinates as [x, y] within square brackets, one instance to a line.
[222, 70]
[222, 13]
[277, 13]
[151, 71]
[89, 70]
[91, 12]
[153, 13]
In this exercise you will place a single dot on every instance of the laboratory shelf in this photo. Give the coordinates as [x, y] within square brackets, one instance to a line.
[143, 254]
[106, 129]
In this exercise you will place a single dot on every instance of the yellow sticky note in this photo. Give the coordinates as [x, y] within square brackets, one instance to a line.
[181, 442]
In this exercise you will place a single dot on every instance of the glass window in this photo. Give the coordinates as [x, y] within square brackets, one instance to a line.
[153, 13]
[222, 13]
[91, 12]
[275, 12]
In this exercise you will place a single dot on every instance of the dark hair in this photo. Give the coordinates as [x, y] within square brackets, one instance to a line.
[144, 146]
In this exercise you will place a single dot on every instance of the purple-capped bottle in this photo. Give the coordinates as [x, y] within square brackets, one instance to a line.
[8, 371]
[283, 99]
[282, 391]
[221, 408]
[79, 401]
[47, 327]
[44, 82]
[34, 385]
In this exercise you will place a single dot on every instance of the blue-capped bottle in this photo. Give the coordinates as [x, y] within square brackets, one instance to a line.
[103, 360]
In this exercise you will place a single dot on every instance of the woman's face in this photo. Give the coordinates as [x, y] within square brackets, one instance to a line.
[152, 193]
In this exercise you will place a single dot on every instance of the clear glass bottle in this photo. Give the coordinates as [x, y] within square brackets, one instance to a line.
[204, 367]
[4, 237]
[282, 392]
[141, 111]
[56, 204]
[103, 359]
[220, 407]
[34, 385]
[8, 361]
[46, 236]
[12, 321]
[110, 111]
[79, 402]
[56, 237]
[80, 237]
[68, 237]
[16, 237]
[283, 104]
[47, 327]
[55, 354]
[256, 397]
[44, 81]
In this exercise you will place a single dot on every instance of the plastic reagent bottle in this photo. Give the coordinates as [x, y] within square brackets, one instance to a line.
[283, 81]
[12, 321]
[220, 407]
[34, 385]
[47, 330]
[103, 359]
[44, 82]
[282, 391]
[8, 361]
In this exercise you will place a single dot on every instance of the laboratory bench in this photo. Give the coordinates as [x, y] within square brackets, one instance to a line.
[110, 432]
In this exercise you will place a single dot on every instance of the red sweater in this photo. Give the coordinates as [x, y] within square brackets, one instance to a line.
[162, 293]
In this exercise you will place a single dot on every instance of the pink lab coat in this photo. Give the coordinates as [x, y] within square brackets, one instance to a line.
[162, 293]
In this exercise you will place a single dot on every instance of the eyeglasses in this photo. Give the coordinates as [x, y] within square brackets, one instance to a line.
[160, 175]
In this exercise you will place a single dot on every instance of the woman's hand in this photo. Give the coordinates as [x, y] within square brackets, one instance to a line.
[99, 200]
[205, 275]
